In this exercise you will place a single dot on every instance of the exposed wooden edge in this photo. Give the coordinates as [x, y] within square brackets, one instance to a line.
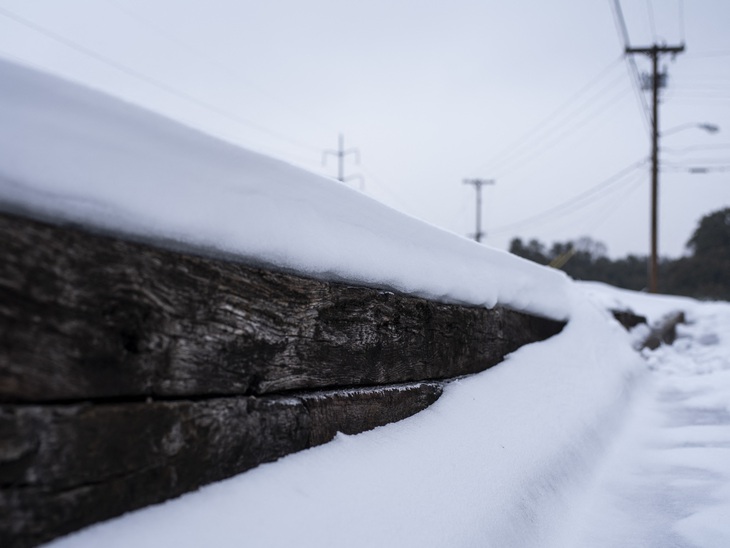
[628, 318]
[665, 331]
[66, 466]
[240, 365]
[87, 317]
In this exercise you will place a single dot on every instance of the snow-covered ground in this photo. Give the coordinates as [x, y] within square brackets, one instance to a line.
[666, 481]
[571, 440]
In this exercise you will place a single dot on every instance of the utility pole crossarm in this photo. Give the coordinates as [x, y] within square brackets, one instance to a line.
[655, 49]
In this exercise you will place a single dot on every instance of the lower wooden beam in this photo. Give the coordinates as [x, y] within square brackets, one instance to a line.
[628, 318]
[131, 374]
[664, 331]
[63, 467]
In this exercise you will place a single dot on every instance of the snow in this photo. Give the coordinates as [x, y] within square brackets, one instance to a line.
[575, 441]
[653, 307]
[490, 461]
[666, 480]
[72, 154]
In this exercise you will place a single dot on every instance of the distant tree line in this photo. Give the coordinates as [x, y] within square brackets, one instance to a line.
[704, 273]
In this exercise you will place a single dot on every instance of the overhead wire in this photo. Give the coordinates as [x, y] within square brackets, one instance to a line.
[568, 213]
[631, 64]
[576, 202]
[703, 54]
[528, 142]
[608, 211]
[695, 148]
[227, 70]
[611, 208]
[693, 162]
[519, 142]
[652, 25]
[681, 21]
[545, 146]
[154, 82]
[698, 99]
[703, 87]
[698, 169]
[397, 200]
[506, 164]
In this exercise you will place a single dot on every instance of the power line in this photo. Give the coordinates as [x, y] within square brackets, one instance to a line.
[550, 117]
[153, 82]
[579, 201]
[618, 15]
[710, 93]
[567, 131]
[681, 21]
[613, 206]
[631, 62]
[698, 99]
[695, 148]
[608, 211]
[571, 209]
[699, 169]
[688, 162]
[211, 60]
[537, 136]
[701, 54]
[652, 25]
[385, 188]
[702, 87]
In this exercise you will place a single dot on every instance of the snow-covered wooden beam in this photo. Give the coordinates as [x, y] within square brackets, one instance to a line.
[664, 331]
[131, 374]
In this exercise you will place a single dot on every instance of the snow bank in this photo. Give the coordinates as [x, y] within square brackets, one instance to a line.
[666, 482]
[492, 463]
[654, 307]
[73, 154]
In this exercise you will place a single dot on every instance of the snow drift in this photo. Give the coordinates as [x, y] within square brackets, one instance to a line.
[492, 463]
[73, 154]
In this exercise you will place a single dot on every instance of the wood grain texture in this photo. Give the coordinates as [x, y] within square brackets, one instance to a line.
[131, 374]
[88, 317]
[63, 467]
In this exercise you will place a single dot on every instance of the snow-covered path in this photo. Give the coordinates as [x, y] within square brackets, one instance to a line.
[667, 482]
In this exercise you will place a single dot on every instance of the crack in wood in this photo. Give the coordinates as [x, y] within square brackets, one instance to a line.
[131, 374]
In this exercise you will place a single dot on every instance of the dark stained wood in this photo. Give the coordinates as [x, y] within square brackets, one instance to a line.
[66, 466]
[356, 410]
[131, 374]
[85, 317]
[664, 331]
[628, 318]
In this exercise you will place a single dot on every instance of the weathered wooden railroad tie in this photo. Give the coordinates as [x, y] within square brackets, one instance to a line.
[131, 374]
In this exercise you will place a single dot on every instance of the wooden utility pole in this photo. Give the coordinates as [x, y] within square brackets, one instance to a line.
[657, 80]
[478, 183]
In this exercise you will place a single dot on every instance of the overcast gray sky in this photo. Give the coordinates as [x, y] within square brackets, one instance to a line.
[533, 94]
